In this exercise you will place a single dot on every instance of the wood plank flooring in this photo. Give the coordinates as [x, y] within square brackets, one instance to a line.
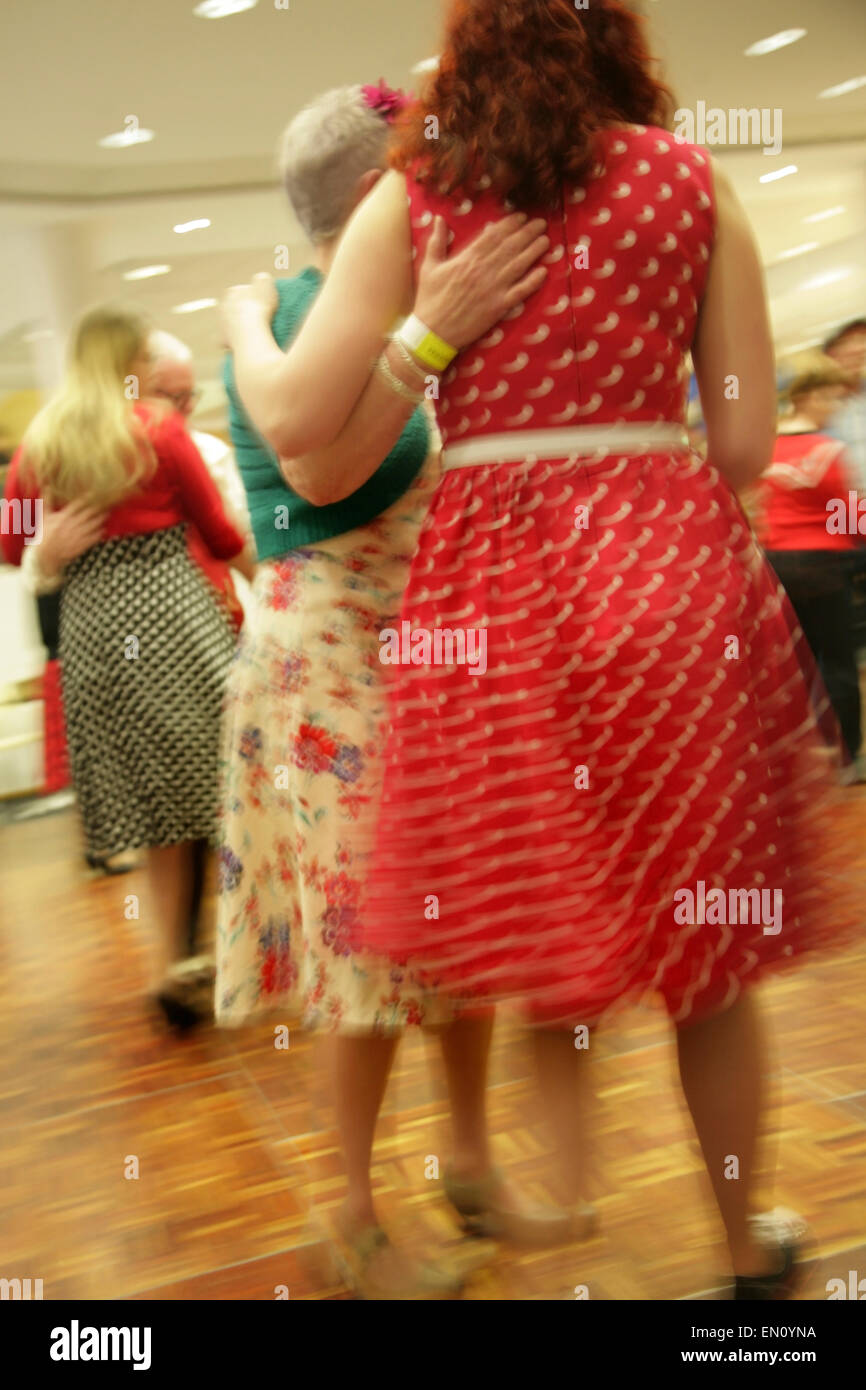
[235, 1145]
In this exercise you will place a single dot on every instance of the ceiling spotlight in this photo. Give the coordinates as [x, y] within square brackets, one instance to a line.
[144, 272]
[426, 65]
[218, 9]
[822, 216]
[192, 226]
[829, 278]
[843, 88]
[134, 135]
[192, 306]
[780, 40]
[797, 250]
[778, 174]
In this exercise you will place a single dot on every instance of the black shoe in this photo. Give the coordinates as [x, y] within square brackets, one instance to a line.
[178, 1015]
[186, 994]
[102, 866]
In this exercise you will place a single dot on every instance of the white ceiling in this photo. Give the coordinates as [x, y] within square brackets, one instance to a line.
[217, 94]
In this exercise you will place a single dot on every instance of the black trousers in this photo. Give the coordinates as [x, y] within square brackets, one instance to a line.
[819, 584]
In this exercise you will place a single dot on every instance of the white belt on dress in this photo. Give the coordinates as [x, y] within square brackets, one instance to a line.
[514, 446]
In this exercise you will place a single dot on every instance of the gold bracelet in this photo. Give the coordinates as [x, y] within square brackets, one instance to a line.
[407, 357]
[395, 383]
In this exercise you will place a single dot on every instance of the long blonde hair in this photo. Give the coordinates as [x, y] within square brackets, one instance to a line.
[87, 443]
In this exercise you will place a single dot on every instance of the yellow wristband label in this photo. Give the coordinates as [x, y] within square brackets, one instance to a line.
[435, 353]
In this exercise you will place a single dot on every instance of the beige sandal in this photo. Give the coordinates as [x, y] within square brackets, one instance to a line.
[479, 1204]
[376, 1271]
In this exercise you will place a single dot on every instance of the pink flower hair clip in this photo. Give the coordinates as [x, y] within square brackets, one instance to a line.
[386, 101]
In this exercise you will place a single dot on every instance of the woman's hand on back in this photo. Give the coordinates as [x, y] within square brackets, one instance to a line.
[462, 297]
[67, 534]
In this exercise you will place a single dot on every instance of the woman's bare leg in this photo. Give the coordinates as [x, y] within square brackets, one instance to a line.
[169, 873]
[722, 1066]
[465, 1047]
[562, 1072]
[360, 1067]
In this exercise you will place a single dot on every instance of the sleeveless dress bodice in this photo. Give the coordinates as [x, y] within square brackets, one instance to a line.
[605, 338]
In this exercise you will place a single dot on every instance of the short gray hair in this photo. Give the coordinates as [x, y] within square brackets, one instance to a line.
[323, 153]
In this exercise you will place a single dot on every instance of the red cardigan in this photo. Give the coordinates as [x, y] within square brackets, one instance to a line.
[180, 490]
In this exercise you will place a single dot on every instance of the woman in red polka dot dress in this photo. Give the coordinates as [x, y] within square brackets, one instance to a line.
[601, 748]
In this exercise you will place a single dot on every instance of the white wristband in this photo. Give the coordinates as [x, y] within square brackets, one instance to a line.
[427, 346]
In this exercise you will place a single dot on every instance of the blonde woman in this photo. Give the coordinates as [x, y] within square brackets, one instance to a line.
[144, 646]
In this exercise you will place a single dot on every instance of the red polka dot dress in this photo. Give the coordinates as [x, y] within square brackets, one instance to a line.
[597, 774]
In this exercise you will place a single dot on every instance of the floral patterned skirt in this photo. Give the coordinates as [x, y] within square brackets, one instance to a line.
[301, 754]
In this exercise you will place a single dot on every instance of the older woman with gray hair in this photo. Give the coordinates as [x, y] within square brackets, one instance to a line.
[306, 700]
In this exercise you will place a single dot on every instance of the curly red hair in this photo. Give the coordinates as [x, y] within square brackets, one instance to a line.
[522, 88]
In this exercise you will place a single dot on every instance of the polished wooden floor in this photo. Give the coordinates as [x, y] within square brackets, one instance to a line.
[236, 1149]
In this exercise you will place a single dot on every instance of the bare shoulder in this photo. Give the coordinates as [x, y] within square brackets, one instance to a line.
[385, 211]
[392, 188]
[375, 253]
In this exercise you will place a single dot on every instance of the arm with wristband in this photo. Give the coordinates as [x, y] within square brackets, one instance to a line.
[368, 289]
[331, 474]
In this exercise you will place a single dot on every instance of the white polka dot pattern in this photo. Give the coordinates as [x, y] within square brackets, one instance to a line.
[610, 589]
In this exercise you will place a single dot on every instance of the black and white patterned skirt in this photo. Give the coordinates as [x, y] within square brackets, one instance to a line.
[145, 650]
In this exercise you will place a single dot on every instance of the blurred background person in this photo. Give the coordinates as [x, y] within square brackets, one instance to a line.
[145, 645]
[173, 380]
[305, 697]
[847, 348]
[68, 533]
[814, 558]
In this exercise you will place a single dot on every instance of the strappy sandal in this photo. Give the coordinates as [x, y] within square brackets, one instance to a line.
[355, 1262]
[482, 1212]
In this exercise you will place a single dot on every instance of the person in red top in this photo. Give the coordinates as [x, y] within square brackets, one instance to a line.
[800, 500]
[144, 646]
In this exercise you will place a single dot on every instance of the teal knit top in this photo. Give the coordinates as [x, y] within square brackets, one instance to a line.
[281, 520]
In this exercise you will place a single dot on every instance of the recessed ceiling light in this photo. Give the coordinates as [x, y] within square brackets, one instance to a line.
[193, 226]
[797, 250]
[137, 135]
[193, 305]
[829, 278]
[780, 40]
[426, 65]
[822, 216]
[218, 9]
[778, 174]
[144, 272]
[844, 88]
